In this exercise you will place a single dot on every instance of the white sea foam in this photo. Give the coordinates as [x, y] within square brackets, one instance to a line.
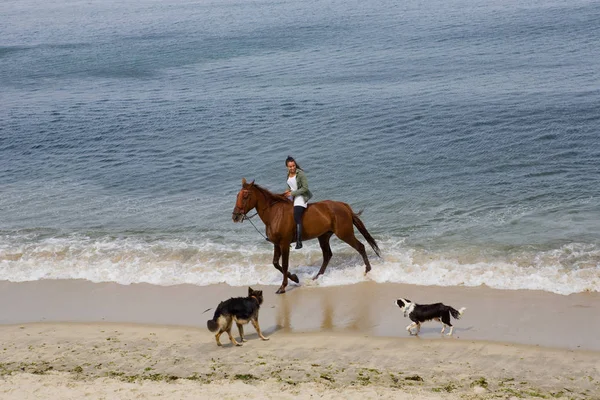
[569, 269]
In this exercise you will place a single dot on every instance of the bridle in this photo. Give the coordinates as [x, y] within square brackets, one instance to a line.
[239, 210]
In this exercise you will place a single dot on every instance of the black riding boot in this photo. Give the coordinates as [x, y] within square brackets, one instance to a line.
[298, 236]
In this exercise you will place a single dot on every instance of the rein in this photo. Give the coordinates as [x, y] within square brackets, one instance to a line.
[248, 217]
[249, 220]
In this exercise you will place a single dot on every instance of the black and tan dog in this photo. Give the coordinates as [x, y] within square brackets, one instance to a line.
[240, 310]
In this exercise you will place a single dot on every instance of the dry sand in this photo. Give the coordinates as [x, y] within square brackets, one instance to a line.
[344, 342]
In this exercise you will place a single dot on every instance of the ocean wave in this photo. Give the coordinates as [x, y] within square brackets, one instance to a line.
[567, 269]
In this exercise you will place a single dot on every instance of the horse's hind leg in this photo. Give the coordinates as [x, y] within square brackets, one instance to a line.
[276, 256]
[326, 249]
[358, 246]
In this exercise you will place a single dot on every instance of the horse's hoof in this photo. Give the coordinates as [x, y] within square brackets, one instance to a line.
[316, 277]
[294, 278]
[280, 291]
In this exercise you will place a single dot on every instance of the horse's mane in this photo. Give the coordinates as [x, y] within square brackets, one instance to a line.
[272, 197]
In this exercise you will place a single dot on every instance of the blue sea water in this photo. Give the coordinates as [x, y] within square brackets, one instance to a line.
[466, 130]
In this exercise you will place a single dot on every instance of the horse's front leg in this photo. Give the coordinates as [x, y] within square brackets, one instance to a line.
[276, 256]
[285, 258]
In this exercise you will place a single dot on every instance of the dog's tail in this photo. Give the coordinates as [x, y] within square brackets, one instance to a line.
[457, 313]
[212, 324]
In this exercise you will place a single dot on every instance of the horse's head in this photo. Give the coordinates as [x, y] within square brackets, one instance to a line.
[246, 201]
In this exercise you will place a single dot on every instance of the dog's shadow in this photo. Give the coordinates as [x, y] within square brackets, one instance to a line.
[433, 331]
[254, 336]
[267, 332]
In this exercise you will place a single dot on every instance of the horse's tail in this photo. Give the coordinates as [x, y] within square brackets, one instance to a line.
[363, 230]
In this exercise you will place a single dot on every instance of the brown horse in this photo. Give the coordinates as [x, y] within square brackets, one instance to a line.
[321, 220]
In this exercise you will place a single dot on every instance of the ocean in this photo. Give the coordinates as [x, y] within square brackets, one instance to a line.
[466, 131]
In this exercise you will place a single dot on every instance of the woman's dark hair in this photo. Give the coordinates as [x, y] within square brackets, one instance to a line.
[290, 158]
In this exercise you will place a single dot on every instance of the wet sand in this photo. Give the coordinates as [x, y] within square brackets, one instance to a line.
[507, 316]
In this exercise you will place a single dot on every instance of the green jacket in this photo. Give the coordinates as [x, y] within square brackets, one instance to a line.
[302, 183]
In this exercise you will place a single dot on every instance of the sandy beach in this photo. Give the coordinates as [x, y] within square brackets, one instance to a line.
[75, 339]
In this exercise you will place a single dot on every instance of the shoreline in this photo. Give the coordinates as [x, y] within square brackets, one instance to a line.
[503, 316]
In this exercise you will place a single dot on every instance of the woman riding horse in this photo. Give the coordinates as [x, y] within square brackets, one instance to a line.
[321, 220]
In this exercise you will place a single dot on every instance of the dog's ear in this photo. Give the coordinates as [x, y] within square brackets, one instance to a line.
[250, 291]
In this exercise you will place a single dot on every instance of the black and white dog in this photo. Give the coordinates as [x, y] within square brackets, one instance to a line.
[419, 313]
